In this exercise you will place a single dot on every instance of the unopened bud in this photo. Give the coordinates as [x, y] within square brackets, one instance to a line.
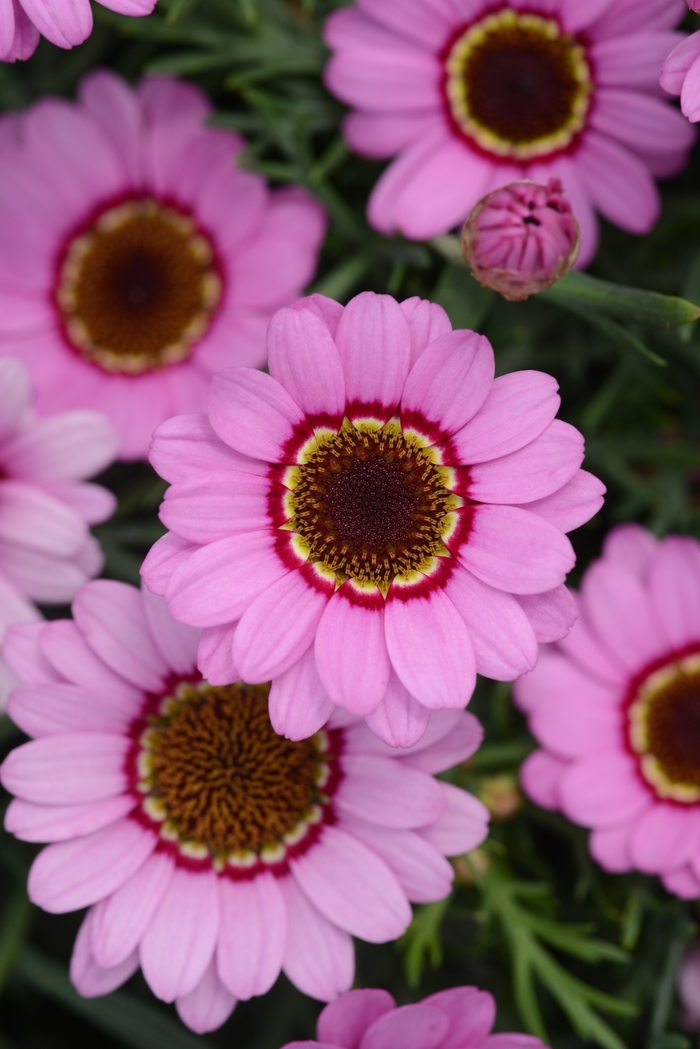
[501, 795]
[521, 239]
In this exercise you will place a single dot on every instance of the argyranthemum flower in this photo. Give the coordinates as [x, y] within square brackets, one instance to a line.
[46, 550]
[681, 75]
[369, 1019]
[374, 521]
[211, 851]
[470, 97]
[137, 258]
[616, 708]
[64, 23]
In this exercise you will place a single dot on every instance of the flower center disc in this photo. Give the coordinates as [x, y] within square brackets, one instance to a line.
[665, 730]
[517, 86]
[221, 778]
[371, 505]
[137, 288]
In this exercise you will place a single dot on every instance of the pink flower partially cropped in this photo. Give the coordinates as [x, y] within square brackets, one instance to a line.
[374, 521]
[471, 96]
[137, 258]
[681, 75]
[64, 22]
[689, 987]
[521, 239]
[46, 550]
[211, 851]
[616, 709]
[369, 1019]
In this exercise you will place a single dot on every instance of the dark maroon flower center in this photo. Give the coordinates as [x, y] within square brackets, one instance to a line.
[665, 730]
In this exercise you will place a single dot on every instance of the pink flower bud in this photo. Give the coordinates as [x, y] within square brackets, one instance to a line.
[521, 239]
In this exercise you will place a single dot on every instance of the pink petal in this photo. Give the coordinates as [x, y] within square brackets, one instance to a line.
[572, 728]
[186, 447]
[278, 627]
[519, 407]
[399, 720]
[253, 413]
[551, 615]
[664, 837]
[381, 135]
[45, 710]
[42, 823]
[208, 1006]
[576, 16]
[202, 512]
[319, 958]
[304, 359]
[632, 547]
[450, 381]
[428, 24]
[14, 607]
[431, 650]
[352, 887]
[69, 875]
[624, 620]
[374, 343]
[602, 790]
[113, 105]
[32, 518]
[351, 653]
[67, 769]
[556, 676]
[219, 581]
[166, 554]
[44, 577]
[176, 643]
[682, 882]
[504, 642]
[674, 582]
[90, 979]
[471, 1014]
[23, 654]
[410, 1026]
[386, 792]
[253, 934]
[619, 184]
[94, 503]
[512, 1041]
[68, 652]
[540, 775]
[70, 446]
[423, 873]
[464, 738]
[517, 551]
[344, 1021]
[299, 704]
[179, 943]
[534, 472]
[640, 122]
[121, 919]
[16, 395]
[113, 621]
[463, 825]
[638, 65]
[610, 847]
[427, 322]
[215, 655]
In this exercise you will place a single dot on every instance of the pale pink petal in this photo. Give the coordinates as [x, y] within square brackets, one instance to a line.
[186, 447]
[252, 936]
[70, 655]
[26, 38]
[114, 106]
[70, 446]
[252, 413]
[464, 738]
[423, 872]
[471, 1014]
[47, 710]
[351, 653]
[121, 919]
[619, 184]
[299, 704]
[551, 615]
[631, 546]
[540, 775]
[304, 359]
[399, 720]
[664, 837]
[219, 581]
[640, 122]
[43, 577]
[69, 875]
[682, 882]
[449, 382]
[203, 512]
[374, 343]
[208, 1006]
[572, 728]
[180, 940]
[215, 655]
[42, 823]
[381, 135]
[31, 518]
[345, 1020]
[94, 503]
[22, 652]
[610, 847]
[319, 958]
[539, 469]
[674, 584]
[352, 887]
[16, 395]
[112, 618]
[388, 792]
[555, 676]
[278, 627]
[166, 554]
[518, 408]
[582, 647]
[503, 639]
[360, 739]
[622, 616]
[427, 322]
[90, 979]
[517, 551]
[602, 790]
[430, 649]
[410, 1026]
[173, 112]
[176, 643]
[463, 825]
[14, 607]
[67, 769]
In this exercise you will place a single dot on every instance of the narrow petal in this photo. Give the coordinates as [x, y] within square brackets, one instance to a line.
[319, 958]
[69, 446]
[16, 395]
[464, 738]
[682, 882]
[556, 676]
[471, 1013]
[674, 582]
[431, 650]
[253, 413]
[387, 792]
[423, 872]
[571, 729]
[344, 1021]
[215, 655]
[427, 322]
[30, 517]
[67, 769]
[534, 472]
[449, 382]
[399, 720]
[253, 934]
[623, 618]
[67, 650]
[22, 652]
[351, 654]
[540, 775]
[186, 447]
[42, 823]
[69, 875]
[410, 1026]
[202, 512]
[166, 554]
[374, 343]
[176, 642]
[352, 887]
[121, 919]
[299, 704]
[632, 547]
[90, 979]
[180, 940]
[303, 358]
[551, 615]
[48, 710]
[463, 825]
[208, 1006]
[664, 837]
[602, 790]
[619, 184]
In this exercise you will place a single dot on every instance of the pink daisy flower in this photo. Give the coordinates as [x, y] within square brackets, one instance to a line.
[470, 95]
[368, 1019]
[616, 709]
[681, 75]
[62, 22]
[211, 851]
[46, 550]
[374, 521]
[137, 258]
